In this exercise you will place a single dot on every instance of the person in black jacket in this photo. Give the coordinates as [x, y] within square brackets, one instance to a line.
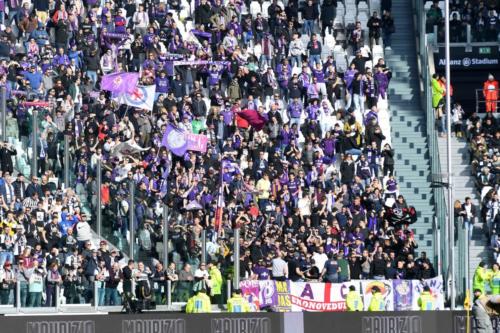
[310, 15]
[199, 107]
[6, 153]
[360, 62]
[328, 13]
[374, 25]
[203, 13]
[388, 156]
[347, 169]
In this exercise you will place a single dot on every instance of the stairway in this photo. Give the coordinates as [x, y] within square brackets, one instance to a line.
[409, 127]
[464, 187]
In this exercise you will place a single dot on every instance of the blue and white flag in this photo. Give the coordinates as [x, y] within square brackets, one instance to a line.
[142, 97]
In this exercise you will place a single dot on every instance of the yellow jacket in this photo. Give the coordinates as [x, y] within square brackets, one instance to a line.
[494, 278]
[199, 303]
[353, 301]
[377, 302]
[426, 301]
[238, 304]
[480, 277]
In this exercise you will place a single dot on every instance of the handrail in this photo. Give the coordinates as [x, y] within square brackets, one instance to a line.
[481, 100]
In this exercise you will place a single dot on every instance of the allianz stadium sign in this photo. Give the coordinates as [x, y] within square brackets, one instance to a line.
[461, 60]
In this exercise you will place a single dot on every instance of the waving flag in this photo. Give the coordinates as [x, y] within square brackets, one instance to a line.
[142, 97]
[255, 119]
[175, 140]
[120, 82]
[179, 141]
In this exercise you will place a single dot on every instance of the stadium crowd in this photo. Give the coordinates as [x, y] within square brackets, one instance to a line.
[480, 15]
[313, 192]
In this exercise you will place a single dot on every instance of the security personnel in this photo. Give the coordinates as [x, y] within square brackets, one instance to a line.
[237, 303]
[353, 300]
[494, 278]
[200, 303]
[426, 301]
[377, 302]
[480, 277]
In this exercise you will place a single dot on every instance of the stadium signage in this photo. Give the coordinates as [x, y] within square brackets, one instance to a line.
[477, 59]
[69, 326]
[154, 326]
[241, 325]
[385, 324]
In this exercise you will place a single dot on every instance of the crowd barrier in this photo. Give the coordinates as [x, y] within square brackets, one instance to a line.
[333, 322]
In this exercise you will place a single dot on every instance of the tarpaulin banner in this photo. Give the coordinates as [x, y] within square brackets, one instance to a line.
[250, 290]
[403, 295]
[317, 296]
[261, 294]
[283, 294]
[398, 295]
[437, 290]
[386, 290]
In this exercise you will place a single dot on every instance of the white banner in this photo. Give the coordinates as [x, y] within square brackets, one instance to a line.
[437, 290]
[319, 297]
[385, 287]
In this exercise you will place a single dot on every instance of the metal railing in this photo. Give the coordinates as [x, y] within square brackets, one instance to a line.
[19, 301]
[483, 105]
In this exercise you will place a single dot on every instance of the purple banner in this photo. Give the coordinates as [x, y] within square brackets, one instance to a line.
[120, 82]
[112, 35]
[175, 140]
[402, 295]
[268, 295]
[2, 5]
[199, 63]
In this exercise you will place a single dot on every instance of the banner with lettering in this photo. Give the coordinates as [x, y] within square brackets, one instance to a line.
[437, 290]
[283, 294]
[403, 295]
[260, 294]
[386, 289]
[320, 297]
[250, 290]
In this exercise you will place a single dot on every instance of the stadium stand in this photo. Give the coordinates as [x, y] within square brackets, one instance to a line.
[308, 151]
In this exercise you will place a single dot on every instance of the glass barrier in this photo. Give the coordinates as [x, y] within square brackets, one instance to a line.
[426, 36]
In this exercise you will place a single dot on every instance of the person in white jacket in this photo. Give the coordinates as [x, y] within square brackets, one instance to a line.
[296, 51]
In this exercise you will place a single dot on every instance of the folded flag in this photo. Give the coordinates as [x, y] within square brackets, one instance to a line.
[120, 82]
[255, 119]
[142, 97]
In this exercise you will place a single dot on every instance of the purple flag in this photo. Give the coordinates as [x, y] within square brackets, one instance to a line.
[120, 82]
[175, 140]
